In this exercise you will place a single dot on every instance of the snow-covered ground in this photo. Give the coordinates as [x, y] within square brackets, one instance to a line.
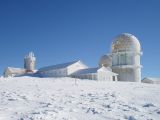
[28, 98]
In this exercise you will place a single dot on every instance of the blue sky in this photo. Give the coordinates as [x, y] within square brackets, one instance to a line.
[59, 31]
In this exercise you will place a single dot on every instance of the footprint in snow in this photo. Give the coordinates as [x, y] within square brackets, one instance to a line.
[130, 108]
[158, 112]
[92, 110]
[113, 95]
[45, 104]
[90, 94]
[106, 106]
[130, 118]
[148, 105]
[11, 99]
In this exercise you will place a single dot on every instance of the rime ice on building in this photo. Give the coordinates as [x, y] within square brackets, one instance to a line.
[126, 53]
[11, 72]
[123, 62]
[29, 62]
[99, 74]
[29, 67]
[106, 61]
[61, 70]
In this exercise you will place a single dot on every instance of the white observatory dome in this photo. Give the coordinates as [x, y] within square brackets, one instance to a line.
[106, 61]
[125, 42]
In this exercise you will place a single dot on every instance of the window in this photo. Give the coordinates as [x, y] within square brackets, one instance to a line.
[126, 59]
[114, 79]
[129, 59]
[122, 59]
[115, 60]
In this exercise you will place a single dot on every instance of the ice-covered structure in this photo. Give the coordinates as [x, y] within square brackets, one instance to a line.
[126, 53]
[106, 61]
[77, 69]
[122, 64]
[11, 72]
[100, 74]
[61, 70]
[29, 62]
[29, 67]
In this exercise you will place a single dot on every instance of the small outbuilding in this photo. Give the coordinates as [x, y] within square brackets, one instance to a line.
[12, 72]
[100, 74]
[151, 80]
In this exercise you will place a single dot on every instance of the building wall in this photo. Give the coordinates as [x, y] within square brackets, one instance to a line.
[9, 73]
[123, 58]
[128, 74]
[92, 76]
[125, 74]
[137, 73]
[29, 64]
[54, 73]
[100, 76]
[103, 76]
[137, 59]
[127, 66]
[63, 72]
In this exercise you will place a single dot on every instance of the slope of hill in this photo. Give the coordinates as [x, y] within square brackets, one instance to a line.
[28, 98]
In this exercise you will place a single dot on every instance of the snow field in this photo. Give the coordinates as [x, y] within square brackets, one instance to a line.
[28, 98]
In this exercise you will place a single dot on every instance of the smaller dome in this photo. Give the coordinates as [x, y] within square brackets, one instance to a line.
[106, 61]
[125, 42]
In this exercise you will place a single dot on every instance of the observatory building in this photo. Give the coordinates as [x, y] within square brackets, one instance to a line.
[106, 61]
[122, 64]
[126, 53]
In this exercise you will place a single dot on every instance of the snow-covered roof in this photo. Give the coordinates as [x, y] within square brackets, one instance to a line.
[104, 69]
[108, 70]
[58, 66]
[94, 70]
[86, 71]
[15, 70]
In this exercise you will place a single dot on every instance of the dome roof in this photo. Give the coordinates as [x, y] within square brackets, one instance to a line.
[106, 61]
[125, 42]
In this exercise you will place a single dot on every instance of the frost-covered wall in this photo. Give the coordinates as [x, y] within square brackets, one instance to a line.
[11, 72]
[61, 70]
[54, 73]
[100, 74]
[91, 76]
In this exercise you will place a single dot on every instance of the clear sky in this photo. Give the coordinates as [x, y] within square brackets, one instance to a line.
[59, 31]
